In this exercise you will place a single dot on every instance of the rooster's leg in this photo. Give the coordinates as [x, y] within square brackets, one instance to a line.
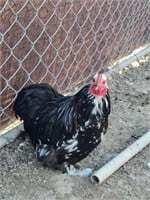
[77, 171]
[47, 155]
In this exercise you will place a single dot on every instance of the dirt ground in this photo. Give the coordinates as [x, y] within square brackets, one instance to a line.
[24, 178]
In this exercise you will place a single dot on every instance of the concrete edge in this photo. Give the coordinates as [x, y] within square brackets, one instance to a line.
[10, 135]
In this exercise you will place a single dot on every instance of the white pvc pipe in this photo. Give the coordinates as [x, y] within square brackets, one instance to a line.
[103, 173]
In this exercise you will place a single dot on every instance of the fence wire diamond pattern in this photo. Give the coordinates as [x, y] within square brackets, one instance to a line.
[64, 42]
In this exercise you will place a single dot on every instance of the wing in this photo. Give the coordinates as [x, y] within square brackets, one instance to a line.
[52, 122]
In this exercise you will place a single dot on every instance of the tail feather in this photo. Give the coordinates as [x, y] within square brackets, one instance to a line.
[31, 98]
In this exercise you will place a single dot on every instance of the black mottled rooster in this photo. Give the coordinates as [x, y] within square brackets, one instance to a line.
[64, 129]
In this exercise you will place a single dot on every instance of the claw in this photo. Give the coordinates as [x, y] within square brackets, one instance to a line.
[71, 170]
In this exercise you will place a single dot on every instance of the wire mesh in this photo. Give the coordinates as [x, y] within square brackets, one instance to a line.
[64, 42]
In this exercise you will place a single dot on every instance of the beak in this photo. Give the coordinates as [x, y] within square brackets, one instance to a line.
[97, 86]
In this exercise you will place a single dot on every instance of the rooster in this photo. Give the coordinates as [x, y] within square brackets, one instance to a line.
[64, 129]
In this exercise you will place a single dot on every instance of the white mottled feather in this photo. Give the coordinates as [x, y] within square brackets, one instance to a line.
[98, 106]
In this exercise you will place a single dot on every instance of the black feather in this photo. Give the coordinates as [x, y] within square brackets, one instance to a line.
[66, 124]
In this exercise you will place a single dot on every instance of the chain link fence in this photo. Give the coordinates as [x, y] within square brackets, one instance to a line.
[64, 42]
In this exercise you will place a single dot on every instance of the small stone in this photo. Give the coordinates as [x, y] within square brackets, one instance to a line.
[148, 165]
[147, 78]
